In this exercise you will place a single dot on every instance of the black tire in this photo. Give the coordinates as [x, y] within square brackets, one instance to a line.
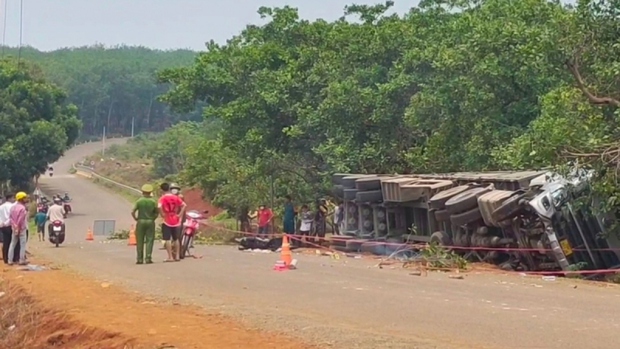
[185, 244]
[442, 215]
[441, 238]
[337, 178]
[368, 184]
[509, 208]
[349, 194]
[338, 191]
[349, 182]
[369, 196]
[466, 200]
[438, 201]
[467, 217]
[57, 244]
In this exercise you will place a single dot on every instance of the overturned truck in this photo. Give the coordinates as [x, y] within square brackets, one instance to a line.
[519, 220]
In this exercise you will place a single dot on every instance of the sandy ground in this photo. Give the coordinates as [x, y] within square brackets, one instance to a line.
[98, 311]
[346, 303]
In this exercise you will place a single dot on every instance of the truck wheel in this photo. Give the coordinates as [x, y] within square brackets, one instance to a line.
[369, 196]
[466, 200]
[441, 238]
[349, 194]
[438, 201]
[466, 217]
[442, 215]
[510, 208]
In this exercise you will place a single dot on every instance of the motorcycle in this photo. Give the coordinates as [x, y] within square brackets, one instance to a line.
[57, 232]
[190, 228]
[67, 207]
[42, 207]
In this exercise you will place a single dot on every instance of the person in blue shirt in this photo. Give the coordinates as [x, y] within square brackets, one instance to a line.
[39, 219]
[289, 216]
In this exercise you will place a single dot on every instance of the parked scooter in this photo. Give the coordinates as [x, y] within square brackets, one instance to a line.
[57, 232]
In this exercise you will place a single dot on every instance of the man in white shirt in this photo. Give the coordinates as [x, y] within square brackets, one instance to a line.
[5, 226]
[56, 212]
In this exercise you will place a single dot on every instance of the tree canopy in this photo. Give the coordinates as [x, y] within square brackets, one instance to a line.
[112, 86]
[36, 123]
[452, 85]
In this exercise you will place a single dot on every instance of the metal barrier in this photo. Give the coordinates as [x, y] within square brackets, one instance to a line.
[91, 170]
[104, 227]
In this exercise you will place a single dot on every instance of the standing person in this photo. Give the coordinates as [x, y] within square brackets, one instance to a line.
[339, 218]
[288, 221]
[320, 220]
[265, 215]
[306, 225]
[180, 228]
[243, 215]
[19, 224]
[39, 220]
[171, 209]
[5, 225]
[145, 213]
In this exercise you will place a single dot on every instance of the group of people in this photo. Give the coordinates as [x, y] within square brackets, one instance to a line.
[304, 223]
[14, 224]
[171, 208]
[14, 227]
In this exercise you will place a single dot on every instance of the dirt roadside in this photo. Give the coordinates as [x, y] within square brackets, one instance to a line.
[99, 315]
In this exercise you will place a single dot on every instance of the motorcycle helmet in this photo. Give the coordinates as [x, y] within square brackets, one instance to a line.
[175, 189]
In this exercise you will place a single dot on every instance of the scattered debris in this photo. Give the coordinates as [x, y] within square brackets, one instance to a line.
[32, 267]
[548, 278]
[416, 273]
[456, 277]
[105, 285]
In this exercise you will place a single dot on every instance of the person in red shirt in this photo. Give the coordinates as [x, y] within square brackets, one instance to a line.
[171, 209]
[265, 215]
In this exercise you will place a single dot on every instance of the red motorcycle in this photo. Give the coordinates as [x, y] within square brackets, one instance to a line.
[190, 228]
[57, 232]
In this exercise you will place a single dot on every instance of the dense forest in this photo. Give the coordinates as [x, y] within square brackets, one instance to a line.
[112, 86]
[453, 85]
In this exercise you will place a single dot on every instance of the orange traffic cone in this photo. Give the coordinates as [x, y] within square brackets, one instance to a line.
[89, 235]
[285, 254]
[132, 236]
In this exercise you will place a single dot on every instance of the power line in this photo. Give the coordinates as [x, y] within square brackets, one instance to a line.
[21, 30]
[6, 7]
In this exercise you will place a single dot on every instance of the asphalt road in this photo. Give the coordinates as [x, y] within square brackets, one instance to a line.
[346, 303]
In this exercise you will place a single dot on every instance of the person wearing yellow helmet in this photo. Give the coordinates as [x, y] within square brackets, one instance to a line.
[145, 213]
[19, 224]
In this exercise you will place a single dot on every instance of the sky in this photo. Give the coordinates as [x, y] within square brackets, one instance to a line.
[162, 24]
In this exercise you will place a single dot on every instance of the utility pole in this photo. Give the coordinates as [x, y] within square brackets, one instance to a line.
[133, 121]
[103, 143]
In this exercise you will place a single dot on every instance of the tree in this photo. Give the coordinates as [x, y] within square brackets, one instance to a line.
[36, 123]
[114, 86]
[453, 85]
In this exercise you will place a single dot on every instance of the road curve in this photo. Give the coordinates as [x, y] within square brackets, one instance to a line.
[344, 303]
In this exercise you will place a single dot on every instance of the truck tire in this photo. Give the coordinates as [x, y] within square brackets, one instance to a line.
[441, 238]
[466, 217]
[442, 215]
[510, 208]
[438, 201]
[466, 200]
[369, 184]
[349, 194]
[369, 196]
[337, 178]
[349, 182]
[338, 191]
